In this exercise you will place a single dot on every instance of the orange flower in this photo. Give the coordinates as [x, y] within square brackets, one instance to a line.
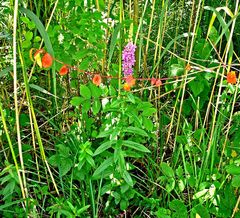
[231, 77]
[188, 67]
[153, 81]
[97, 79]
[64, 70]
[130, 80]
[47, 60]
[158, 83]
[127, 87]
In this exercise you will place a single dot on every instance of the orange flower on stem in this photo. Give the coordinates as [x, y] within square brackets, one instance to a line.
[188, 67]
[158, 83]
[97, 80]
[231, 77]
[130, 80]
[64, 70]
[127, 87]
[47, 60]
[153, 81]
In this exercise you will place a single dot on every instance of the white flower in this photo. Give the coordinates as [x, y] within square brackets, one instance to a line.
[60, 38]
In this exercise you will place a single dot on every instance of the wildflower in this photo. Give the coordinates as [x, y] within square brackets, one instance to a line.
[47, 60]
[231, 77]
[37, 57]
[153, 81]
[158, 83]
[188, 67]
[128, 59]
[130, 80]
[126, 87]
[64, 70]
[97, 79]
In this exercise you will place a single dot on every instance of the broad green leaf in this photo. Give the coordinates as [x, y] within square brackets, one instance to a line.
[85, 91]
[104, 147]
[233, 169]
[196, 86]
[167, 170]
[179, 208]
[135, 145]
[108, 162]
[135, 130]
[127, 178]
[65, 166]
[95, 90]
[96, 106]
[28, 35]
[76, 101]
[148, 124]
[148, 112]
[170, 185]
[201, 211]
[236, 181]
[176, 70]
[86, 105]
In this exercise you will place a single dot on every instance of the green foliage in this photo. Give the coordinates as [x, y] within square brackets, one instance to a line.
[70, 148]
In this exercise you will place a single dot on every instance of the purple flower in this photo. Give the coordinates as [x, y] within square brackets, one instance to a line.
[128, 59]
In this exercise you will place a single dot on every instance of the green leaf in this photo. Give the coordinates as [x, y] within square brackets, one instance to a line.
[148, 124]
[233, 169]
[65, 166]
[179, 208]
[236, 181]
[85, 91]
[176, 70]
[196, 86]
[29, 36]
[201, 211]
[95, 90]
[127, 178]
[96, 106]
[76, 101]
[167, 170]
[86, 106]
[113, 42]
[149, 112]
[135, 145]
[90, 160]
[104, 147]
[170, 185]
[108, 162]
[135, 130]
[83, 209]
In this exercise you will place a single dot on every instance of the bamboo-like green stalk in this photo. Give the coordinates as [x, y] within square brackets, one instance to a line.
[120, 49]
[211, 140]
[16, 96]
[236, 89]
[35, 124]
[12, 151]
[135, 23]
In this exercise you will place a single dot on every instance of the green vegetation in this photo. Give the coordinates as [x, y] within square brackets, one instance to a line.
[119, 108]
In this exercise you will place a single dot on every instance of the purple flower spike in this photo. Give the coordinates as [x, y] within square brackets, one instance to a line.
[128, 59]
